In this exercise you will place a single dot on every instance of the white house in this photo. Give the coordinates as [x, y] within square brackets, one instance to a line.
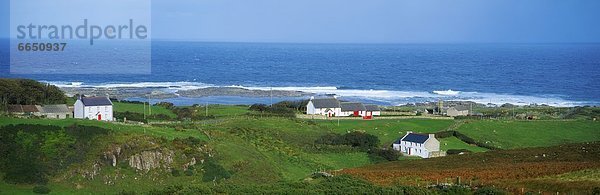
[414, 144]
[352, 108]
[372, 110]
[95, 108]
[324, 106]
[457, 111]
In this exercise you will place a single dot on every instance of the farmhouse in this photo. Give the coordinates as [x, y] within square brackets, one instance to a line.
[324, 106]
[457, 111]
[95, 108]
[29, 110]
[333, 107]
[373, 109]
[57, 111]
[415, 144]
[352, 108]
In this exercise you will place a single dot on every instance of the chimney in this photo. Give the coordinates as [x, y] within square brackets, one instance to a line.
[431, 136]
[312, 97]
[408, 132]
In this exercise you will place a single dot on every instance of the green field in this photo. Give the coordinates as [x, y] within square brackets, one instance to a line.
[388, 130]
[126, 129]
[519, 134]
[455, 143]
[139, 108]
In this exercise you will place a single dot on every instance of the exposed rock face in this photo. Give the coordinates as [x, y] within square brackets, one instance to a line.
[112, 155]
[91, 173]
[148, 160]
[191, 163]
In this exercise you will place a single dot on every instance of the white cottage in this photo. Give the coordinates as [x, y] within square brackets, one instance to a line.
[373, 110]
[324, 106]
[414, 144]
[95, 108]
[352, 108]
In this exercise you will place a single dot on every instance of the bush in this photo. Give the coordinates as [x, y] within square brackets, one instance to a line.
[596, 191]
[385, 153]
[489, 191]
[355, 139]
[41, 190]
[457, 151]
[167, 105]
[123, 192]
[189, 172]
[281, 111]
[175, 172]
[214, 171]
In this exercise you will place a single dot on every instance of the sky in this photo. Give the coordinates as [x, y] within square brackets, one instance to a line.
[373, 21]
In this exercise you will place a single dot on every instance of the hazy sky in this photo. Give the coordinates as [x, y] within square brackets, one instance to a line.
[372, 21]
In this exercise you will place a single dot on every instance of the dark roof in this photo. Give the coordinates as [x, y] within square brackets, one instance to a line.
[414, 137]
[352, 106]
[372, 107]
[96, 101]
[57, 108]
[24, 108]
[326, 103]
[460, 107]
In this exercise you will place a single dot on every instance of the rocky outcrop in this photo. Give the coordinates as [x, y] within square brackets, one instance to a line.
[148, 160]
[111, 156]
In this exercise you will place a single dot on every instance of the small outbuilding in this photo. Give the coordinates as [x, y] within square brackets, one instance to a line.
[26, 110]
[57, 111]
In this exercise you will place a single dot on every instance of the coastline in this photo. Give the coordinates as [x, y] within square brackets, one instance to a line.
[189, 93]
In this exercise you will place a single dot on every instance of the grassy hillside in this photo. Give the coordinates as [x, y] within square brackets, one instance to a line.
[245, 152]
[518, 134]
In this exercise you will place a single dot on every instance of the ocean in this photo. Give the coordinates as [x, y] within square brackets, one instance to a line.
[386, 74]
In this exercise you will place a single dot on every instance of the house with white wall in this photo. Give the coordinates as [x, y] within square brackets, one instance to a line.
[352, 108]
[415, 144]
[94, 108]
[373, 110]
[323, 106]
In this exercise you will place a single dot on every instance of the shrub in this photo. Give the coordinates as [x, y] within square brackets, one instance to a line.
[214, 171]
[41, 190]
[489, 191]
[385, 153]
[355, 139]
[189, 172]
[167, 105]
[123, 192]
[457, 151]
[596, 191]
[175, 172]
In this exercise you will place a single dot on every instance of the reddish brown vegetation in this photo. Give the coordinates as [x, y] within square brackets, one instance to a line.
[494, 167]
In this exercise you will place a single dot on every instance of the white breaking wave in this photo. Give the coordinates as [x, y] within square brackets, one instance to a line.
[448, 92]
[167, 85]
[390, 97]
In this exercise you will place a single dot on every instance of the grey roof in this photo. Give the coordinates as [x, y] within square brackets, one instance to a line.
[57, 108]
[372, 107]
[416, 138]
[96, 101]
[460, 107]
[326, 103]
[352, 106]
[24, 108]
